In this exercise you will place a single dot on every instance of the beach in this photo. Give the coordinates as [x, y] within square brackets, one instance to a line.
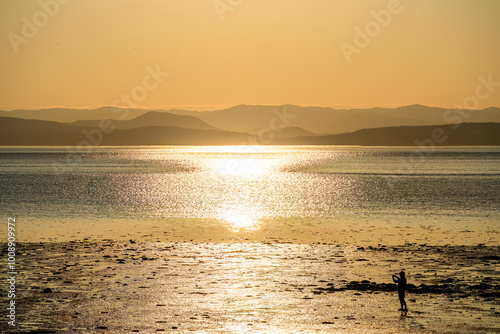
[258, 285]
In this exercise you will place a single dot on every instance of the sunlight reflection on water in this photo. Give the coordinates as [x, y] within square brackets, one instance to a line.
[242, 167]
[244, 186]
[238, 220]
[240, 172]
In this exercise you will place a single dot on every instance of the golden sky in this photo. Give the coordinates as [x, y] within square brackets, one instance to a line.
[81, 53]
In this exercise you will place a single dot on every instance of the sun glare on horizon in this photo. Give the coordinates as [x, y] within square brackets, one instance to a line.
[245, 167]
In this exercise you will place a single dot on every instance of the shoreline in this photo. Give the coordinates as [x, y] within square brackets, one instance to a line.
[366, 232]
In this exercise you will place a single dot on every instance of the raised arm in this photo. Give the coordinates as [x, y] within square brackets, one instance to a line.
[395, 279]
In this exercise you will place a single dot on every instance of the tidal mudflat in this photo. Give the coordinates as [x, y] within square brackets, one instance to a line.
[133, 286]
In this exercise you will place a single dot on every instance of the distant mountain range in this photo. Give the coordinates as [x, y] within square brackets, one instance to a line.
[319, 120]
[161, 128]
[16, 131]
[64, 115]
[281, 125]
[152, 118]
[286, 132]
[250, 118]
[466, 134]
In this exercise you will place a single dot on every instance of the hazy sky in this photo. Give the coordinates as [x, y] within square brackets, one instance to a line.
[227, 52]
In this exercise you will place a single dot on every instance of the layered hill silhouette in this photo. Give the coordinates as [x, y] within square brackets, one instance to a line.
[73, 115]
[285, 132]
[251, 118]
[244, 118]
[16, 131]
[152, 118]
[465, 134]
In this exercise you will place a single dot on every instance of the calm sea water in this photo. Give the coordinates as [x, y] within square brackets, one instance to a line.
[243, 185]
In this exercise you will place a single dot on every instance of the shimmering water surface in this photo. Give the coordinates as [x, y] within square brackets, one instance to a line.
[243, 186]
[260, 287]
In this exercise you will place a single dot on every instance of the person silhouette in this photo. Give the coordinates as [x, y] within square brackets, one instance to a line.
[401, 281]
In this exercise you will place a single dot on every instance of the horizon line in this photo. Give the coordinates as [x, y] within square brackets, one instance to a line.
[204, 108]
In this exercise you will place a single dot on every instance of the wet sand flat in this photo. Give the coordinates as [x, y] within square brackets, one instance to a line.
[114, 286]
[338, 230]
